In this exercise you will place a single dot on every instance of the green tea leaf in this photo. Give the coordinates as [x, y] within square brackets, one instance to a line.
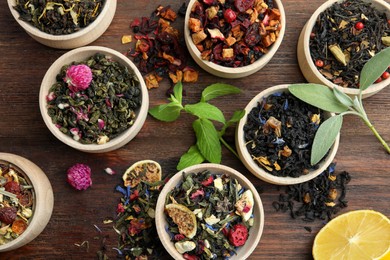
[217, 90]
[319, 96]
[374, 68]
[325, 137]
[178, 91]
[207, 140]
[192, 157]
[205, 110]
[342, 97]
[167, 112]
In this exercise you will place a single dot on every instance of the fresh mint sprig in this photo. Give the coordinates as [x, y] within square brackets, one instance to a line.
[338, 102]
[208, 139]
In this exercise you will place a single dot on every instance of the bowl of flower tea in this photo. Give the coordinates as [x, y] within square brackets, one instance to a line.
[63, 24]
[93, 99]
[274, 139]
[339, 39]
[26, 202]
[233, 39]
[209, 211]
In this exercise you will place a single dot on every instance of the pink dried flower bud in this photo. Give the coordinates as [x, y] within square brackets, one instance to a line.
[50, 96]
[101, 124]
[78, 77]
[79, 176]
[109, 171]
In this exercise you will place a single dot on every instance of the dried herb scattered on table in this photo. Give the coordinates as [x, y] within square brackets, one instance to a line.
[279, 133]
[59, 17]
[103, 110]
[345, 36]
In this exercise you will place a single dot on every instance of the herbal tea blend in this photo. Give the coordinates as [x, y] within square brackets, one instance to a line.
[279, 133]
[209, 215]
[345, 37]
[59, 17]
[95, 100]
[16, 204]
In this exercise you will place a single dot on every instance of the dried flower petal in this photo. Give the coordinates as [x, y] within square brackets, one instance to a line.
[78, 77]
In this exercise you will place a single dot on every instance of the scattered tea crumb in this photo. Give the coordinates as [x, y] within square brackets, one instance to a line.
[308, 229]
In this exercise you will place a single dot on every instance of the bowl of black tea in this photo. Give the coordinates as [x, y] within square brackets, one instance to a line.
[275, 136]
[93, 99]
[63, 24]
[338, 40]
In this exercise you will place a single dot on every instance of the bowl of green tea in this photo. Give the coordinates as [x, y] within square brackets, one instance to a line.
[63, 24]
[339, 39]
[93, 99]
[26, 201]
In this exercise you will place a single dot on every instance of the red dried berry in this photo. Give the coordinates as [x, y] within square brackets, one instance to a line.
[190, 257]
[179, 237]
[229, 15]
[12, 187]
[359, 26]
[385, 75]
[319, 63]
[7, 215]
[208, 182]
[238, 235]
[378, 80]
[134, 195]
[243, 5]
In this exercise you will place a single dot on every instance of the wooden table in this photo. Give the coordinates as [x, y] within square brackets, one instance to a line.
[23, 132]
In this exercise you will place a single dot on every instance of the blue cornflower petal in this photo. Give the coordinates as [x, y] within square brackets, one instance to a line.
[277, 94]
[121, 190]
[211, 227]
[285, 105]
[278, 141]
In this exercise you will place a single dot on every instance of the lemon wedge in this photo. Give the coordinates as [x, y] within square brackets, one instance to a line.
[146, 170]
[184, 218]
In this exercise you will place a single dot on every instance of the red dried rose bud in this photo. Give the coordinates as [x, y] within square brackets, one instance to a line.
[12, 187]
[7, 215]
[229, 15]
[238, 235]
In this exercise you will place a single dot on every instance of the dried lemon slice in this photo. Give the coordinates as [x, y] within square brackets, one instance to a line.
[244, 206]
[184, 218]
[146, 170]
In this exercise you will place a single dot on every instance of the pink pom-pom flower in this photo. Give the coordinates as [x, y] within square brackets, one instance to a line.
[79, 176]
[78, 77]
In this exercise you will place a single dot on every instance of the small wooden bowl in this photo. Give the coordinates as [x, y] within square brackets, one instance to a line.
[229, 72]
[74, 40]
[259, 172]
[43, 201]
[306, 64]
[254, 233]
[81, 54]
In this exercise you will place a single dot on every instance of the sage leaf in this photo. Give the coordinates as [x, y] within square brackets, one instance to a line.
[166, 112]
[217, 90]
[374, 68]
[205, 110]
[207, 140]
[325, 136]
[342, 97]
[191, 157]
[178, 91]
[319, 96]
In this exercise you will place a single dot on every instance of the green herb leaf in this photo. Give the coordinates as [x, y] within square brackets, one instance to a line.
[374, 68]
[192, 157]
[206, 110]
[319, 96]
[167, 112]
[178, 91]
[342, 97]
[325, 137]
[237, 115]
[207, 140]
[217, 90]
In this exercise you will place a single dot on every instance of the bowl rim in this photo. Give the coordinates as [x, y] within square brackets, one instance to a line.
[77, 55]
[215, 168]
[252, 68]
[307, 29]
[257, 170]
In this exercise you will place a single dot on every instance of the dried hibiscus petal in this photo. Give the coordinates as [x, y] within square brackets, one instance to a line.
[8, 215]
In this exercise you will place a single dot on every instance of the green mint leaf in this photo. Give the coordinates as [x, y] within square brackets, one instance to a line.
[342, 97]
[325, 137]
[192, 157]
[319, 96]
[374, 68]
[237, 115]
[207, 140]
[217, 90]
[206, 110]
[178, 92]
[167, 112]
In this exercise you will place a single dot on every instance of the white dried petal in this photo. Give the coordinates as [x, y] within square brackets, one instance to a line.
[185, 246]
[218, 184]
[109, 171]
[212, 220]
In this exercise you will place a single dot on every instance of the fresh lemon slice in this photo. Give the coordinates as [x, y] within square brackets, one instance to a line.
[359, 234]
[184, 218]
[146, 170]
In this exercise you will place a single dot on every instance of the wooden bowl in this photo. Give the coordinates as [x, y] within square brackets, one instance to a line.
[306, 64]
[230, 72]
[76, 39]
[43, 201]
[259, 172]
[81, 54]
[254, 233]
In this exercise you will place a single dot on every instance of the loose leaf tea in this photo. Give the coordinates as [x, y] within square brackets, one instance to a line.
[59, 17]
[279, 133]
[345, 36]
[17, 202]
[209, 215]
[102, 111]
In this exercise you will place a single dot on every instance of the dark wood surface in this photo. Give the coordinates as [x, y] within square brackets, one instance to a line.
[23, 132]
